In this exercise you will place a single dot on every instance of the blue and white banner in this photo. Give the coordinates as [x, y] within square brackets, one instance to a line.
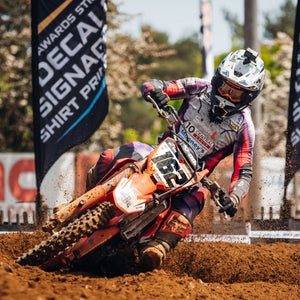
[293, 131]
[68, 68]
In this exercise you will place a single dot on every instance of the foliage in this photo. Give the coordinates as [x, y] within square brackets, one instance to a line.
[268, 55]
[15, 91]
[16, 129]
[275, 95]
[129, 60]
[236, 28]
[130, 135]
[283, 22]
[150, 56]
[183, 63]
[139, 116]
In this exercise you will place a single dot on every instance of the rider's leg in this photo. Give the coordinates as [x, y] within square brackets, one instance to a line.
[135, 150]
[177, 225]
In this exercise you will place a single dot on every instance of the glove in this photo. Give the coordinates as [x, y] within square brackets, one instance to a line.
[160, 97]
[230, 205]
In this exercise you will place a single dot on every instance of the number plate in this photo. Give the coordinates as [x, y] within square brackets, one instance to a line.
[169, 165]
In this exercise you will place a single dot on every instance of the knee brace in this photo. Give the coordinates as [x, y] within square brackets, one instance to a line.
[175, 227]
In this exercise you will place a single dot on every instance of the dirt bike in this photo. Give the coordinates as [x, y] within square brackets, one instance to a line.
[125, 208]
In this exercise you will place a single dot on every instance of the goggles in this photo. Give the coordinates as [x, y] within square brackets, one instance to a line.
[232, 92]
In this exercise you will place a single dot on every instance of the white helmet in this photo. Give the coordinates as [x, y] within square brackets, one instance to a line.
[237, 82]
[244, 68]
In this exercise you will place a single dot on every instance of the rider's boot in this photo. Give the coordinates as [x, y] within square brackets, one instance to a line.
[175, 227]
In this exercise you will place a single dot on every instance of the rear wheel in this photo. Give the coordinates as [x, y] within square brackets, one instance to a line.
[88, 223]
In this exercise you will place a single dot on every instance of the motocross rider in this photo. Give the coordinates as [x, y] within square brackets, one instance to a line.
[218, 120]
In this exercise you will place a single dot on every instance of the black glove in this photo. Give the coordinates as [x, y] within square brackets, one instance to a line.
[160, 97]
[230, 205]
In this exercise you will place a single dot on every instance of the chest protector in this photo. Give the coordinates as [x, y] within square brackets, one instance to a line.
[206, 136]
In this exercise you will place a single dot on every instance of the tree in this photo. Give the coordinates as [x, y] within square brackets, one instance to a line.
[277, 56]
[236, 28]
[16, 129]
[184, 61]
[283, 22]
[129, 60]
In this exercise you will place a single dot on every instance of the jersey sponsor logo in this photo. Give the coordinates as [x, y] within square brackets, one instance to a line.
[205, 97]
[213, 136]
[234, 126]
[200, 137]
[235, 122]
[201, 140]
[195, 146]
[197, 139]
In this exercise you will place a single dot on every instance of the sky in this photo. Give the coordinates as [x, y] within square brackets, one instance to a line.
[181, 18]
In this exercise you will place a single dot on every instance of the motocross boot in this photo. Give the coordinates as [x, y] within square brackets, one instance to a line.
[175, 227]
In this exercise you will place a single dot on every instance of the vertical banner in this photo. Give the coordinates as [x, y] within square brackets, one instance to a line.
[68, 73]
[206, 39]
[293, 130]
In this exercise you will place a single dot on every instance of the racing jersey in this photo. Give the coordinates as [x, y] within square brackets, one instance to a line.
[211, 141]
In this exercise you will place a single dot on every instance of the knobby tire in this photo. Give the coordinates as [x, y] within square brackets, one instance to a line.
[85, 225]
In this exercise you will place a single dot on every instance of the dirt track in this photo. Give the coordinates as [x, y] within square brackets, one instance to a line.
[192, 271]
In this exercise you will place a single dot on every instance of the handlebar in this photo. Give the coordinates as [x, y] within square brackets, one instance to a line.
[169, 117]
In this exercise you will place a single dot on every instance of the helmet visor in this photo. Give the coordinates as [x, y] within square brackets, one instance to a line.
[232, 92]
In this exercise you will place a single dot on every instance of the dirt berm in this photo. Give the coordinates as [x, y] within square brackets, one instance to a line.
[192, 271]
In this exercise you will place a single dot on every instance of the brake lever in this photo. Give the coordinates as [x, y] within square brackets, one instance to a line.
[168, 117]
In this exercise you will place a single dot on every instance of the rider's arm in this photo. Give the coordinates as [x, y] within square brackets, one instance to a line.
[175, 89]
[243, 152]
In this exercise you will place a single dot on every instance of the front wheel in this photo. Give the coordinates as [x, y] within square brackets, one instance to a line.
[88, 223]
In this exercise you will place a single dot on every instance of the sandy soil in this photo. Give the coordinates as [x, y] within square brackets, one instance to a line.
[192, 271]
